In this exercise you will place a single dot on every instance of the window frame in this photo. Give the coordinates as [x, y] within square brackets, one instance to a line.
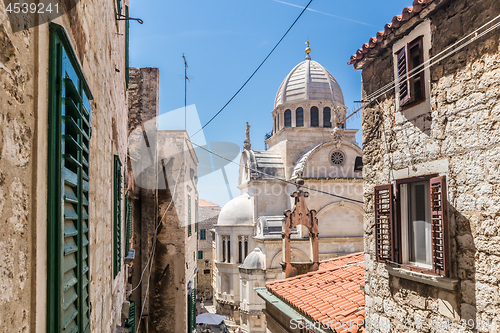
[203, 234]
[327, 121]
[288, 118]
[396, 236]
[301, 111]
[406, 102]
[314, 110]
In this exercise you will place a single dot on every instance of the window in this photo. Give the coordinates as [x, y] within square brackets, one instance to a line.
[314, 117]
[119, 6]
[128, 223]
[327, 117]
[418, 237]
[278, 123]
[299, 117]
[337, 158]
[68, 189]
[288, 118]
[117, 216]
[189, 215]
[200, 254]
[203, 234]
[240, 250]
[196, 215]
[411, 85]
[206, 271]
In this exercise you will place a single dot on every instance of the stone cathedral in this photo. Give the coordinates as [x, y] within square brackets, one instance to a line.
[310, 145]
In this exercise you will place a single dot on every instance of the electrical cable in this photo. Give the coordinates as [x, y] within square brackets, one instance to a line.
[153, 248]
[429, 63]
[274, 177]
[251, 76]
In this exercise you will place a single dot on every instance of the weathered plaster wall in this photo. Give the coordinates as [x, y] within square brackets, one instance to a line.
[208, 219]
[99, 46]
[461, 137]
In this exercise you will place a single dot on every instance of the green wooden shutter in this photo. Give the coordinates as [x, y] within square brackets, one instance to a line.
[127, 47]
[68, 189]
[130, 325]
[189, 215]
[117, 216]
[119, 6]
[196, 215]
[128, 223]
[192, 310]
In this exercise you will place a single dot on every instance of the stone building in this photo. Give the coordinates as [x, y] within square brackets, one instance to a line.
[208, 215]
[431, 154]
[309, 144]
[163, 168]
[63, 150]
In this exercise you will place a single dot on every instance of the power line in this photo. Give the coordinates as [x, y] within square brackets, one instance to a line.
[274, 177]
[251, 76]
[429, 63]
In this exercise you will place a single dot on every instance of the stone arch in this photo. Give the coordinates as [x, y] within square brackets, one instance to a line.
[341, 219]
[296, 254]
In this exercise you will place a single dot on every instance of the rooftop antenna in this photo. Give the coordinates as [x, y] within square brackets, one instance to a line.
[186, 79]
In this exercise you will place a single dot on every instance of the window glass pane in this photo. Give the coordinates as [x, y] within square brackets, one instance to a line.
[326, 117]
[299, 117]
[288, 118]
[419, 224]
[415, 82]
[314, 116]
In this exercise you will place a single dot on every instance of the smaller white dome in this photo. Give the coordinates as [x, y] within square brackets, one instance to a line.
[238, 211]
[255, 260]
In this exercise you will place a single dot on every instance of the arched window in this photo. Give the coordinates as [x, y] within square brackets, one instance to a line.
[240, 250]
[278, 123]
[327, 117]
[299, 117]
[314, 117]
[288, 118]
[275, 129]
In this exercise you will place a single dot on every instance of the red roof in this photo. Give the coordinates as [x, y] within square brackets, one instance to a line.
[205, 203]
[408, 13]
[331, 293]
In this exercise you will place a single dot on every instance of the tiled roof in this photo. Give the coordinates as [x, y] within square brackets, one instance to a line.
[342, 261]
[205, 203]
[398, 20]
[331, 293]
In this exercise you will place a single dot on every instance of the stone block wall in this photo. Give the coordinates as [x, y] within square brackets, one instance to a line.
[99, 44]
[462, 135]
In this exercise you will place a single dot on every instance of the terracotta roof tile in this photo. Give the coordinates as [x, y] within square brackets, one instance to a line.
[332, 292]
[408, 13]
[205, 203]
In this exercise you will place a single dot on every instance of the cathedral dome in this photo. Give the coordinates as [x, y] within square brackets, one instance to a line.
[255, 260]
[238, 211]
[309, 81]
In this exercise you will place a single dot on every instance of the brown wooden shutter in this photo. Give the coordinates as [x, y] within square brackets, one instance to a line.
[384, 234]
[439, 218]
[404, 84]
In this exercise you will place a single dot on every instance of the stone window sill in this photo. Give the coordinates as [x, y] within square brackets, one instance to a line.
[432, 280]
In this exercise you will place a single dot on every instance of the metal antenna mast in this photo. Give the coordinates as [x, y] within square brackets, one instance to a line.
[186, 79]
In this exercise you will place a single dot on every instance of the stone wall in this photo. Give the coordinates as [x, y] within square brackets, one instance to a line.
[208, 215]
[460, 138]
[99, 45]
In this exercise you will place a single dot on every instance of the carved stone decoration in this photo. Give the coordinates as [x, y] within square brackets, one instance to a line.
[246, 144]
[300, 215]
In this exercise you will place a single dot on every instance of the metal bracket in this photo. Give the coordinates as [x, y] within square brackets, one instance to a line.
[121, 17]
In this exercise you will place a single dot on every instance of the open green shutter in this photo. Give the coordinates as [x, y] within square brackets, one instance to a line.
[196, 215]
[189, 215]
[68, 189]
[130, 325]
[128, 223]
[117, 216]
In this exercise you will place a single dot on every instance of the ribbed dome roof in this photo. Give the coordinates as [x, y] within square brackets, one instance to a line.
[238, 211]
[255, 260]
[309, 81]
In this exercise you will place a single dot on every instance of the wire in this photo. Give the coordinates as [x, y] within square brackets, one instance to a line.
[251, 76]
[274, 177]
[153, 248]
[429, 63]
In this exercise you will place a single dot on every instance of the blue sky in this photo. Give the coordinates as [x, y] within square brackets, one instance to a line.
[225, 40]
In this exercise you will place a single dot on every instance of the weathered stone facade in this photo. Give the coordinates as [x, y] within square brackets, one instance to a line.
[208, 215]
[163, 183]
[99, 44]
[458, 137]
